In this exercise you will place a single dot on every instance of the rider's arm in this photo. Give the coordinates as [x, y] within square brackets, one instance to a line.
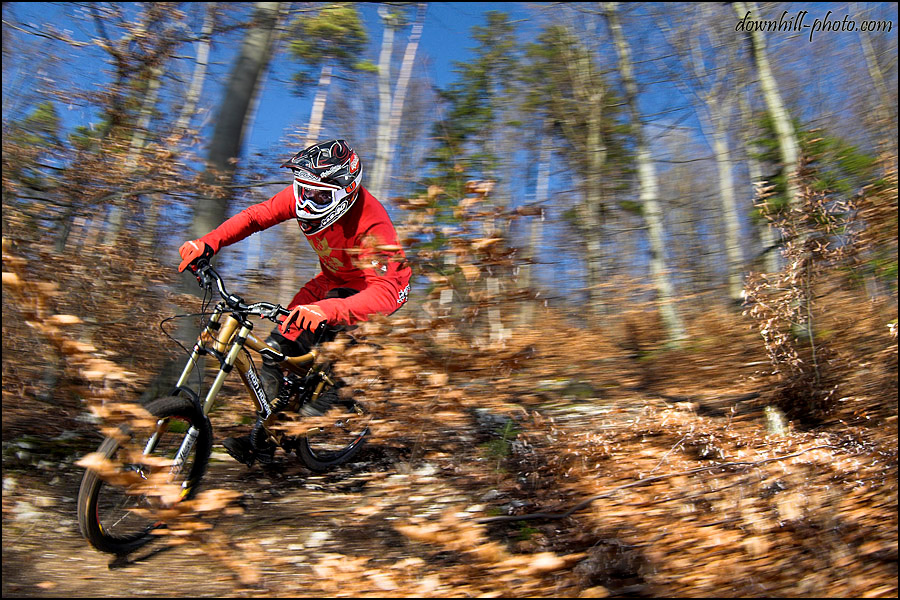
[386, 275]
[315, 289]
[257, 217]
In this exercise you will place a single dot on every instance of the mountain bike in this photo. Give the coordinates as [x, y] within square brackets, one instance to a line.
[116, 514]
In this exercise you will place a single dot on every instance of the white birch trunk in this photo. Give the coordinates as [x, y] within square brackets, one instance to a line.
[409, 59]
[199, 75]
[382, 136]
[729, 212]
[318, 107]
[541, 193]
[767, 233]
[649, 188]
[784, 129]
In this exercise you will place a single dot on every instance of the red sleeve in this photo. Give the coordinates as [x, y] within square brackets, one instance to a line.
[275, 210]
[386, 276]
[315, 289]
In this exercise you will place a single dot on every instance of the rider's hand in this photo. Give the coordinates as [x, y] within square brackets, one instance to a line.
[193, 251]
[308, 316]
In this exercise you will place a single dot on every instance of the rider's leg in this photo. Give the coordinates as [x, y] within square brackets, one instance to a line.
[306, 340]
[241, 448]
[270, 373]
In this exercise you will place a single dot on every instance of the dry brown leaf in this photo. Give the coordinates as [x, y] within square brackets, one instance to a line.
[64, 320]
[11, 279]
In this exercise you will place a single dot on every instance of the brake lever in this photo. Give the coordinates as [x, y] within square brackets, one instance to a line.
[273, 314]
[200, 271]
[319, 333]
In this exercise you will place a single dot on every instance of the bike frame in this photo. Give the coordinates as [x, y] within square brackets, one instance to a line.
[224, 336]
[182, 421]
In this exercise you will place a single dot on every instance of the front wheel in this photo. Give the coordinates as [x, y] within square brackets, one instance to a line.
[116, 502]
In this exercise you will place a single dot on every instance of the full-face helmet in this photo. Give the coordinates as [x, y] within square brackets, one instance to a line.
[327, 177]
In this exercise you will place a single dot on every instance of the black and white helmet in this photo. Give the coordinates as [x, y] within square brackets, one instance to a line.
[327, 178]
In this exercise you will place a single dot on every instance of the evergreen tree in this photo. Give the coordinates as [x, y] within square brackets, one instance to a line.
[467, 133]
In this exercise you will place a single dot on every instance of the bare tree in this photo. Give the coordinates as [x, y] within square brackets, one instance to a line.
[784, 129]
[705, 71]
[567, 92]
[390, 105]
[649, 186]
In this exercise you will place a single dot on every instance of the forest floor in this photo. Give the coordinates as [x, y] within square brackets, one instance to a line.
[685, 490]
[572, 462]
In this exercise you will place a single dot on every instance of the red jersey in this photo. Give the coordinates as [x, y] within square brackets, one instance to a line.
[359, 251]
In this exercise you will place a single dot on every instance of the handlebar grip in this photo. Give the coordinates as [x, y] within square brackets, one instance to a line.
[198, 265]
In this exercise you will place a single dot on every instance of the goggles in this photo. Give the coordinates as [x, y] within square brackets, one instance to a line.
[312, 200]
[316, 200]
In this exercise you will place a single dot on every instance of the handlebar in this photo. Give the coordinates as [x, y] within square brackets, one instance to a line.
[209, 279]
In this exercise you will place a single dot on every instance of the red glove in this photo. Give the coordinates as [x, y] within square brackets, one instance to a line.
[308, 316]
[193, 251]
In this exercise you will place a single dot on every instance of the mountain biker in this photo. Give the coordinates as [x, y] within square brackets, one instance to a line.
[363, 268]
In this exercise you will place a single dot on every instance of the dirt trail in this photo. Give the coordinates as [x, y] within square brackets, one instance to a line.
[401, 520]
[295, 527]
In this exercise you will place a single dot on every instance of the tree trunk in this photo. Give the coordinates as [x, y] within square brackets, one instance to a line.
[384, 171]
[729, 211]
[318, 109]
[594, 207]
[649, 188]
[767, 233]
[382, 137]
[589, 94]
[784, 129]
[526, 278]
[199, 75]
[231, 118]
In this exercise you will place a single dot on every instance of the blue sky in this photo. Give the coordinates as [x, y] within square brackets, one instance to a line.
[445, 40]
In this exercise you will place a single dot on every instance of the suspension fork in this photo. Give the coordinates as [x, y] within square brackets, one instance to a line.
[227, 365]
[211, 328]
[188, 443]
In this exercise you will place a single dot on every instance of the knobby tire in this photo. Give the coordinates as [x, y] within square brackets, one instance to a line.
[104, 517]
[323, 450]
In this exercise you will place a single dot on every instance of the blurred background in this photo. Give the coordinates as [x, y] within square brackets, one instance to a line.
[625, 153]
[697, 200]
